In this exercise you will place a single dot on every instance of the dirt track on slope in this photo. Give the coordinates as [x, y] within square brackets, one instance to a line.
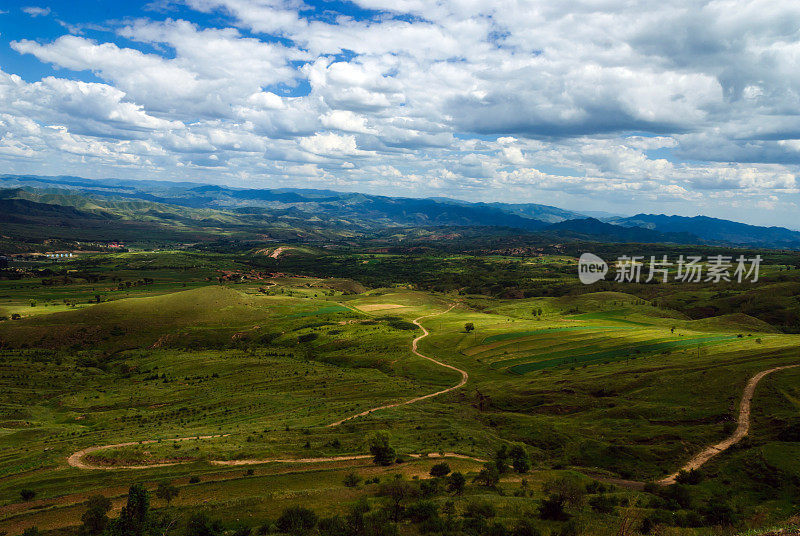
[743, 427]
[77, 459]
[464, 376]
[741, 430]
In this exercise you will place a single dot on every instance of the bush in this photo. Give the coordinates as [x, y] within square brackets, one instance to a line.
[719, 511]
[567, 489]
[307, 337]
[440, 470]
[166, 492]
[479, 510]
[679, 496]
[552, 508]
[692, 476]
[333, 526]
[352, 479]
[95, 519]
[402, 324]
[520, 460]
[194, 479]
[603, 503]
[523, 527]
[489, 476]
[382, 452]
[456, 483]
[598, 487]
[297, 520]
[27, 494]
[201, 525]
[501, 459]
[429, 488]
[420, 511]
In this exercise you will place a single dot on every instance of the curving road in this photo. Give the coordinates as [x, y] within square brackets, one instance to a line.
[77, 459]
[743, 427]
[741, 430]
[464, 375]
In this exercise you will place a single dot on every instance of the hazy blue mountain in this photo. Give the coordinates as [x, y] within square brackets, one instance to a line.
[716, 230]
[596, 230]
[545, 213]
[329, 209]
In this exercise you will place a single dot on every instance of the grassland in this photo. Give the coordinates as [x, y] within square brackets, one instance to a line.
[604, 385]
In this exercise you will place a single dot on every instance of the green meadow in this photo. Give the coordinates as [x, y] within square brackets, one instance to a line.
[605, 392]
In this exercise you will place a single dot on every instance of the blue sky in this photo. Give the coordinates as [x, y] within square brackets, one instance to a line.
[687, 108]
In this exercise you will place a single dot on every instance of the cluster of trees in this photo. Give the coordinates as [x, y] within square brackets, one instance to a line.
[426, 506]
[396, 502]
[505, 459]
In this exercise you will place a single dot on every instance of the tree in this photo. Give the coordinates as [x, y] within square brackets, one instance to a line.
[440, 470]
[501, 459]
[456, 483]
[166, 492]
[27, 494]
[352, 479]
[476, 515]
[568, 489]
[552, 508]
[201, 525]
[421, 511]
[95, 519]
[297, 520]
[382, 452]
[489, 476]
[133, 518]
[469, 326]
[520, 460]
[397, 491]
[719, 511]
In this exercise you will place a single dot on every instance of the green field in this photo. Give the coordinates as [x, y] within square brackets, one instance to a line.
[605, 389]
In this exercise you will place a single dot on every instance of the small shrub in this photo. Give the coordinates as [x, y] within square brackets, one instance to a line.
[440, 470]
[351, 480]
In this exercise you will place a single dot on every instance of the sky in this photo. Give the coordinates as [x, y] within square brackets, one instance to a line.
[683, 107]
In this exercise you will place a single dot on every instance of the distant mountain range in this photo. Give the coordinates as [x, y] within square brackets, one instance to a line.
[187, 206]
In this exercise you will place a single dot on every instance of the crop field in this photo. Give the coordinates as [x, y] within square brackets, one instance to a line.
[253, 392]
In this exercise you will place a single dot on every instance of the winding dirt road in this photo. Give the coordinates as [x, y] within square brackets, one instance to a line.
[741, 430]
[464, 375]
[77, 459]
[743, 427]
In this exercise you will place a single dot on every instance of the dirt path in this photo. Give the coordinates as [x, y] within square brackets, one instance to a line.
[77, 459]
[464, 375]
[741, 430]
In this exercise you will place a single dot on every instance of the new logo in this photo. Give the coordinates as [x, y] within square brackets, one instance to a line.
[591, 268]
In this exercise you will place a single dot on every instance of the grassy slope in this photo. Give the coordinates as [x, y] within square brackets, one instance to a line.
[232, 363]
